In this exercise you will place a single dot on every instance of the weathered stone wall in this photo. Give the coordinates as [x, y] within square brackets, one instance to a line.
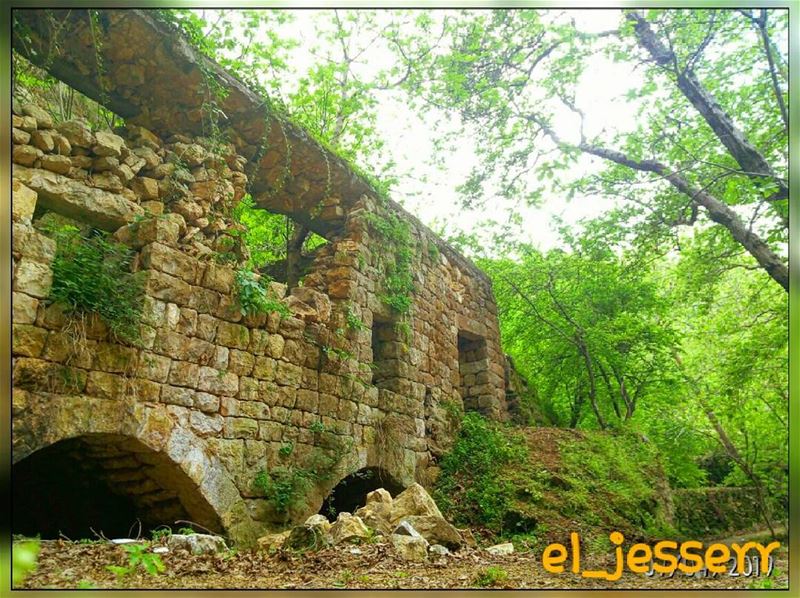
[217, 392]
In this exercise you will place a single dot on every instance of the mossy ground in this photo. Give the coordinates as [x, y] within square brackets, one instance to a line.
[534, 486]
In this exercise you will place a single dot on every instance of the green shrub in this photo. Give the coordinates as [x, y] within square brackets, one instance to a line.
[472, 487]
[138, 558]
[254, 297]
[286, 487]
[91, 274]
[491, 576]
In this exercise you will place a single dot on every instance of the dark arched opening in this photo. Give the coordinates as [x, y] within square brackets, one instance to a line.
[103, 484]
[351, 493]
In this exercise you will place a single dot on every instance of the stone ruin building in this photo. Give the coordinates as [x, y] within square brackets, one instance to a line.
[178, 426]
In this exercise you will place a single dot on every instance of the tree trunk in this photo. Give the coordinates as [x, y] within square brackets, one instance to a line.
[750, 160]
[294, 248]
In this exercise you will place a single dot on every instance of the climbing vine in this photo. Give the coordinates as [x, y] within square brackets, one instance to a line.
[398, 279]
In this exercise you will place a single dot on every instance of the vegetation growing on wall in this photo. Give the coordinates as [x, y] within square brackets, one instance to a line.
[286, 487]
[91, 274]
[255, 297]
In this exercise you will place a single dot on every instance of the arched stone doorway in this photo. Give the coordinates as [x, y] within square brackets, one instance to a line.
[105, 484]
[172, 471]
[351, 492]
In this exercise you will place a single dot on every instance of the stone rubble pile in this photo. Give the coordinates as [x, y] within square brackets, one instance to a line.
[411, 522]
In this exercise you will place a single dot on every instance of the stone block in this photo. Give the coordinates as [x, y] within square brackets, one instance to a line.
[170, 261]
[105, 385]
[205, 425]
[167, 287]
[24, 308]
[204, 301]
[288, 374]
[33, 278]
[110, 357]
[146, 188]
[184, 373]
[151, 230]
[218, 382]
[57, 164]
[75, 200]
[42, 140]
[26, 155]
[174, 395]
[219, 278]
[30, 243]
[206, 327]
[207, 402]
[27, 340]
[23, 201]
[240, 427]
[43, 118]
[232, 335]
[241, 362]
[254, 410]
[153, 366]
[20, 137]
[107, 144]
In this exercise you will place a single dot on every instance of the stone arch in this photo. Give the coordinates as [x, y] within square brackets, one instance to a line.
[104, 482]
[351, 490]
[165, 461]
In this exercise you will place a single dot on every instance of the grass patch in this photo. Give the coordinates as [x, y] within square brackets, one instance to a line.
[533, 486]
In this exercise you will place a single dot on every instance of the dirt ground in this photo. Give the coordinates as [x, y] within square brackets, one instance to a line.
[64, 564]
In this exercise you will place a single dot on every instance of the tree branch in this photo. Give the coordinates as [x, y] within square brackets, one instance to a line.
[745, 154]
[717, 210]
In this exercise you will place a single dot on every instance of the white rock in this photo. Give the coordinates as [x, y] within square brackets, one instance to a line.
[438, 550]
[197, 543]
[125, 541]
[501, 549]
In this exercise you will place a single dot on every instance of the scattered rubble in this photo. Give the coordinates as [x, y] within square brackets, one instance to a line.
[411, 522]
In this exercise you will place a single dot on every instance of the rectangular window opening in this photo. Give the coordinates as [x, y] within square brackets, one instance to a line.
[473, 368]
[387, 352]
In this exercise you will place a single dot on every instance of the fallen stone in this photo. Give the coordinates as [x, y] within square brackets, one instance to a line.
[122, 541]
[436, 530]
[501, 549]
[305, 537]
[414, 500]
[273, 541]
[406, 529]
[410, 548]
[319, 521]
[197, 543]
[160, 550]
[348, 528]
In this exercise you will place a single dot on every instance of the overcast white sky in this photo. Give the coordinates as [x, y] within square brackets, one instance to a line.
[410, 139]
